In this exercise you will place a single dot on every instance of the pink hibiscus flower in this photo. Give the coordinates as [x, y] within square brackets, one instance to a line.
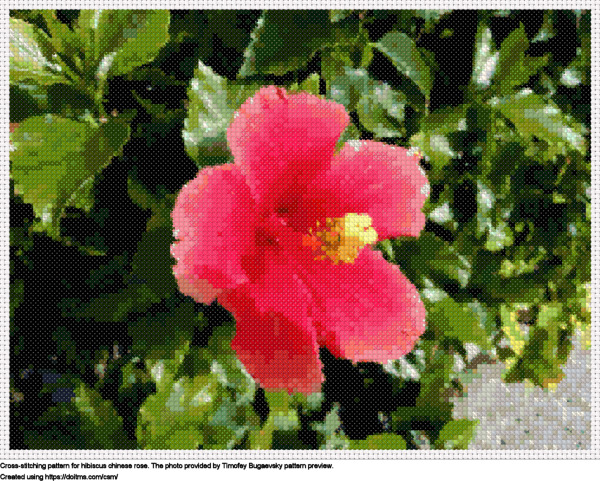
[282, 239]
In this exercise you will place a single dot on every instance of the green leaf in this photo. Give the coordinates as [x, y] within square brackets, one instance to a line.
[514, 68]
[534, 116]
[431, 17]
[310, 85]
[93, 422]
[431, 257]
[379, 107]
[55, 158]
[351, 133]
[456, 434]
[282, 411]
[203, 398]
[432, 407]
[30, 54]
[433, 138]
[152, 263]
[158, 335]
[123, 39]
[545, 349]
[454, 320]
[212, 103]
[276, 47]
[64, 40]
[407, 59]
[175, 416]
[381, 110]
[380, 441]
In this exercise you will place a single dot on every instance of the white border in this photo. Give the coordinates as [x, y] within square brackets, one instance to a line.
[118, 455]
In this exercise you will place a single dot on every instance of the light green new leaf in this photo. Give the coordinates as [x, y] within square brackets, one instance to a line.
[407, 59]
[456, 434]
[379, 441]
[511, 329]
[454, 320]
[546, 349]
[122, 40]
[30, 55]
[534, 116]
[55, 158]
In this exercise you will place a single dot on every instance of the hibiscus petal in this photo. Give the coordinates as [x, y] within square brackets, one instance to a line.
[371, 178]
[213, 221]
[282, 141]
[369, 310]
[275, 339]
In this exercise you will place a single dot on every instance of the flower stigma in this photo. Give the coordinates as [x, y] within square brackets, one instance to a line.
[341, 239]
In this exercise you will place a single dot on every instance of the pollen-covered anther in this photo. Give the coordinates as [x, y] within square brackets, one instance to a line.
[341, 239]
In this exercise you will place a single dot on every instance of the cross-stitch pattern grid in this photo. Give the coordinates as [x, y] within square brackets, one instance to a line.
[355, 245]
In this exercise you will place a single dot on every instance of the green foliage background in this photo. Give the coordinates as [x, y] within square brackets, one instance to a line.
[117, 110]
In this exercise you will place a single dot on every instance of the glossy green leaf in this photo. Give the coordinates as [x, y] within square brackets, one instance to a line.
[270, 52]
[380, 441]
[54, 158]
[432, 407]
[379, 107]
[381, 111]
[64, 40]
[456, 434]
[541, 353]
[534, 116]
[407, 59]
[123, 39]
[212, 103]
[433, 138]
[31, 55]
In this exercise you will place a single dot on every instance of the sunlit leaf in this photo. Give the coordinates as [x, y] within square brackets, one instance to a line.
[54, 159]
[456, 434]
[31, 55]
[123, 39]
[534, 116]
[380, 441]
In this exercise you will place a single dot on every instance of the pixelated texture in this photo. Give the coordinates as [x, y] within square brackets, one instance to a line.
[343, 230]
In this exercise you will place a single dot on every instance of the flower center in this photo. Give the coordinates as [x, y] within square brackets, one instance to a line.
[341, 239]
